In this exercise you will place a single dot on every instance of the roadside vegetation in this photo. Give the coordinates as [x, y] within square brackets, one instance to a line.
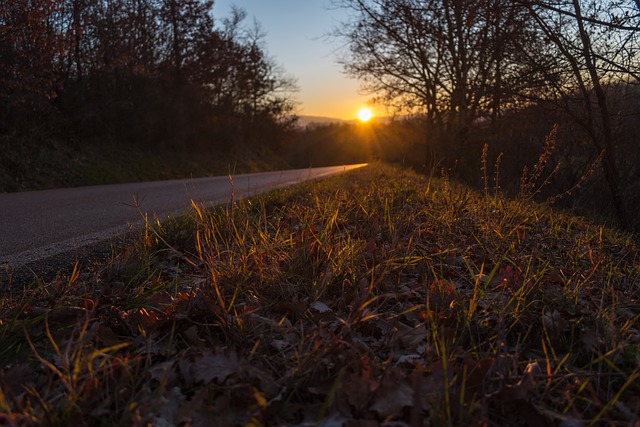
[379, 297]
[57, 165]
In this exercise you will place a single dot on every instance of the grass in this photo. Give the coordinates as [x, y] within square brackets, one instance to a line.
[376, 297]
[27, 163]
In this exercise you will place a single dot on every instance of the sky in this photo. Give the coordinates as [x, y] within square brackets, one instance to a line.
[296, 38]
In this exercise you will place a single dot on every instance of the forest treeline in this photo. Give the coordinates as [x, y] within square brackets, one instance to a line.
[160, 78]
[537, 98]
[507, 93]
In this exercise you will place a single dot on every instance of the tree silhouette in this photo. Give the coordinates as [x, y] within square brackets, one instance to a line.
[154, 73]
[446, 60]
[30, 51]
[594, 44]
[462, 63]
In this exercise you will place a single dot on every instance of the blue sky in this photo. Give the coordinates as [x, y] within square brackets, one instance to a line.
[296, 38]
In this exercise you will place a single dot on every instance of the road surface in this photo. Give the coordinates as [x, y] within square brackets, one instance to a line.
[41, 224]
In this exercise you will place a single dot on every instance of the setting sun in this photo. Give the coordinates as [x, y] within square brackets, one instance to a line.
[365, 114]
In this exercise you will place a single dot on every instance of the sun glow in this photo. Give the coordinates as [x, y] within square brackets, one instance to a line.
[365, 114]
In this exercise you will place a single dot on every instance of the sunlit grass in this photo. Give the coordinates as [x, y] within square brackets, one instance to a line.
[377, 295]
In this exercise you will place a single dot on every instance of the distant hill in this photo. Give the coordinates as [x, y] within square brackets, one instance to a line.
[304, 121]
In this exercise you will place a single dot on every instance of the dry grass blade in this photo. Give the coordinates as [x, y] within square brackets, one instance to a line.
[377, 297]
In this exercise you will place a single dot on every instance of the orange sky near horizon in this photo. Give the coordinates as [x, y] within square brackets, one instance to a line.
[296, 37]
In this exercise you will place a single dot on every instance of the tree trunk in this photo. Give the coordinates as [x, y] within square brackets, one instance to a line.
[77, 38]
[609, 162]
[175, 30]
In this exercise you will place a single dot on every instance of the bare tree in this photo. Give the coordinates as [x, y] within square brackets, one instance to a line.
[448, 60]
[29, 49]
[595, 43]
[185, 22]
[161, 72]
[455, 61]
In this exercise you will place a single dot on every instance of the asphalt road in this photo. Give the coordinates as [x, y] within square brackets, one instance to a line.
[42, 224]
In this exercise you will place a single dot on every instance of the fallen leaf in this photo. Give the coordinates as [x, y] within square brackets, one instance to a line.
[393, 396]
[191, 334]
[279, 344]
[217, 365]
[167, 407]
[106, 336]
[409, 337]
[507, 277]
[321, 307]
[476, 376]
[268, 385]
[199, 412]
[18, 376]
[162, 301]
[334, 420]
[567, 421]
[357, 389]
[441, 294]
[163, 372]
